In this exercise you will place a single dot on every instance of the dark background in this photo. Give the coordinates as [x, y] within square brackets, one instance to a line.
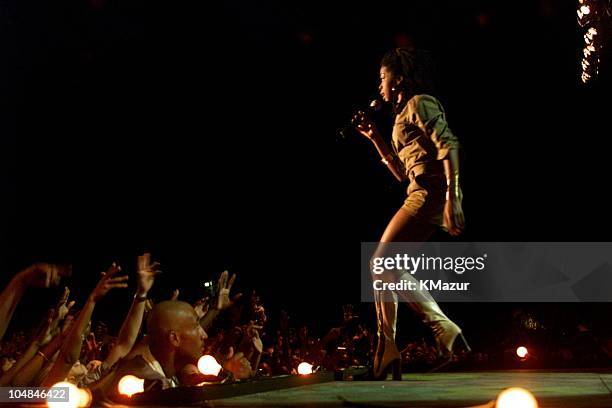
[207, 134]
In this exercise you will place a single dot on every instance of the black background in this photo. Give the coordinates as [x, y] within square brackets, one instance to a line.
[206, 134]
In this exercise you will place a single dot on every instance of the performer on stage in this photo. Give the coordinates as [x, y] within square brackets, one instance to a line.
[424, 152]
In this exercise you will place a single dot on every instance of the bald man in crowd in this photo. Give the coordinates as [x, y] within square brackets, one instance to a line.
[175, 339]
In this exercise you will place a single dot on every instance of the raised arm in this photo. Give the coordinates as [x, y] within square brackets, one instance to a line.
[27, 374]
[71, 349]
[223, 300]
[43, 333]
[367, 128]
[131, 325]
[40, 275]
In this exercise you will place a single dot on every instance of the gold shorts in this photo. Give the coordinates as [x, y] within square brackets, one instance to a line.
[427, 197]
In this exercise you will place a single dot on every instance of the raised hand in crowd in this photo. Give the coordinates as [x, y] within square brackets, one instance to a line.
[175, 294]
[223, 300]
[42, 275]
[71, 349]
[201, 307]
[61, 310]
[43, 336]
[145, 277]
[108, 281]
[225, 285]
[254, 351]
[239, 366]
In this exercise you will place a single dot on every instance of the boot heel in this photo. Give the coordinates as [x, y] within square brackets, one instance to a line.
[465, 343]
[397, 370]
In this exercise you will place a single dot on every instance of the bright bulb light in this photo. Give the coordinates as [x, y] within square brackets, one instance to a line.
[516, 398]
[76, 397]
[304, 368]
[209, 366]
[84, 397]
[585, 10]
[522, 352]
[130, 385]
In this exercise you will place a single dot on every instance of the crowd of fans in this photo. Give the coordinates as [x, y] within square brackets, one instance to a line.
[162, 343]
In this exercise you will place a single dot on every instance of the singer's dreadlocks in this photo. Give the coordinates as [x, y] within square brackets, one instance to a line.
[416, 69]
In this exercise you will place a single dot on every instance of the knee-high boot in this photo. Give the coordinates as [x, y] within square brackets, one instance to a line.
[387, 355]
[445, 330]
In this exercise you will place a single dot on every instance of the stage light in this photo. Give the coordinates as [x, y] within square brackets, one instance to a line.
[590, 15]
[76, 397]
[522, 352]
[130, 385]
[208, 365]
[304, 368]
[84, 397]
[585, 77]
[516, 398]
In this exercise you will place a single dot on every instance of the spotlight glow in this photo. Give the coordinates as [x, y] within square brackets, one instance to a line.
[130, 385]
[585, 10]
[522, 352]
[516, 398]
[208, 365]
[304, 368]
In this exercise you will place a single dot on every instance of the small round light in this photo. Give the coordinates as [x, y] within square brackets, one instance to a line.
[304, 368]
[74, 396]
[522, 352]
[130, 385]
[516, 398]
[585, 9]
[84, 397]
[208, 365]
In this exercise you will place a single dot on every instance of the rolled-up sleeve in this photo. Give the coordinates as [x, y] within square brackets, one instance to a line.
[429, 115]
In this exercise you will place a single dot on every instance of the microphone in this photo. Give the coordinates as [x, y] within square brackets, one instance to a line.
[374, 106]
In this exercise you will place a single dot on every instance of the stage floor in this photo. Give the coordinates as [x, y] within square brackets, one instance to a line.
[554, 389]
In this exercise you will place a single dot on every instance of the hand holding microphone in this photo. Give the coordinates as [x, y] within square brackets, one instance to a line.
[362, 122]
